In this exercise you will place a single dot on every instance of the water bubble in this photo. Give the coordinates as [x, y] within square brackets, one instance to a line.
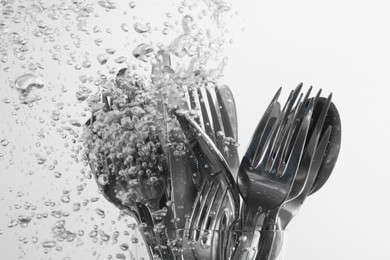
[107, 4]
[120, 59]
[103, 179]
[102, 58]
[186, 23]
[25, 85]
[143, 52]
[24, 220]
[125, 27]
[110, 51]
[120, 256]
[100, 212]
[76, 206]
[49, 244]
[93, 233]
[124, 246]
[65, 198]
[13, 223]
[140, 28]
[4, 142]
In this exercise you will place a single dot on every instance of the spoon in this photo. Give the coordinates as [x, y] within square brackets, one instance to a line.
[333, 149]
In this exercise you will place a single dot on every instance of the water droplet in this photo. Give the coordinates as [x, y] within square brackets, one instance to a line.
[76, 206]
[120, 59]
[132, 4]
[140, 28]
[102, 58]
[143, 52]
[124, 246]
[110, 51]
[4, 142]
[125, 27]
[49, 244]
[13, 223]
[103, 179]
[186, 23]
[65, 198]
[100, 212]
[26, 82]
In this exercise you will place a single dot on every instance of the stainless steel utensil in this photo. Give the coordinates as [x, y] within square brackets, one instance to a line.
[268, 170]
[117, 188]
[216, 207]
[313, 155]
[333, 149]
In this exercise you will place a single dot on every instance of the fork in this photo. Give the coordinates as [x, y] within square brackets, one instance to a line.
[312, 159]
[217, 117]
[270, 165]
[216, 206]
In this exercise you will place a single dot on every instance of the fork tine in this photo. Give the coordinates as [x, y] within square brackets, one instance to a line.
[195, 208]
[195, 104]
[295, 155]
[225, 100]
[213, 225]
[217, 119]
[207, 119]
[260, 135]
[278, 148]
[210, 199]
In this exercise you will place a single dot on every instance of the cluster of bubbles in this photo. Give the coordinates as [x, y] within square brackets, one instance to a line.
[129, 132]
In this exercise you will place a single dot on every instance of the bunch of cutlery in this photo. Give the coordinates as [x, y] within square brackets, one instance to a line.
[180, 176]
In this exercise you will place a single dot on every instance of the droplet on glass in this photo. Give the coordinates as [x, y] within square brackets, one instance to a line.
[132, 4]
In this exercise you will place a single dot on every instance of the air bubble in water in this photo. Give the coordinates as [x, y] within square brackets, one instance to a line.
[4, 142]
[140, 28]
[103, 179]
[125, 27]
[120, 59]
[143, 52]
[102, 58]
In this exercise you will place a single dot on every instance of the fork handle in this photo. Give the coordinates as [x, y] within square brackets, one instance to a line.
[270, 241]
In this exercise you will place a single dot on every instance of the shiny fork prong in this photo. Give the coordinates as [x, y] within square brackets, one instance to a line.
[294, 157]
[205, 225]
[199, 200]
[262, 132]
[224, 102]
[195, 105]
[206, 117]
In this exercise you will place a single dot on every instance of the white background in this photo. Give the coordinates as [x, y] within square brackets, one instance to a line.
[340, 46]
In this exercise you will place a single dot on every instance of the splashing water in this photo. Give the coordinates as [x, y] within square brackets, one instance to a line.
[57, 59]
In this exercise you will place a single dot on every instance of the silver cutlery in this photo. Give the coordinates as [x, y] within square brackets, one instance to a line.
[216, 208]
